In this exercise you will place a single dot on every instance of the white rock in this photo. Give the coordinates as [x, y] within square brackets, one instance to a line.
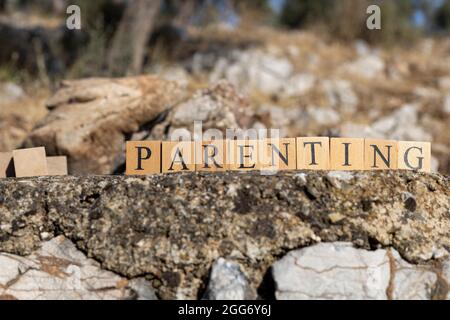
[368, 67]
[323, 116]
[340, 271]
[336, 178]
[341, 95]
[299, 85]
[10, 92]
[446, 107]
[227, 282]
[59, 271]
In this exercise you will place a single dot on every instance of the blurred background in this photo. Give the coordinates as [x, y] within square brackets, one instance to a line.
[307, 67]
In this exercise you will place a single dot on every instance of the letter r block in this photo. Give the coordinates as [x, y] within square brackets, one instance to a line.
[346, 154]
[413, 155]
[210, 155]
[143, 157]
[178, 156]
[313, 153]
[380, 154]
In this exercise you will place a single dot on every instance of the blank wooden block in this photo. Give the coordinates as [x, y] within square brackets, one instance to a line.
[210, 156]
[242, 155]
[380, 154]
[346, 154]
[57, 166]
[6, 165]
[414, 155]
[278, 154]
[30, 162]
[143, 157]
[178, 156]
[313, 153]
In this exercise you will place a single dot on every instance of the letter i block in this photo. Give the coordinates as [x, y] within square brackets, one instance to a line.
[346, 154]
[413, 155]
[210, 155]
[313, 153]
[178, 156]
[380, 154]
[242, 155]
[143, 157]
[278, 154]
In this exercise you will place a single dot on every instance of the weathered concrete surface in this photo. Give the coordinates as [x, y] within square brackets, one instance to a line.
[340, 271]
[171, 228]
[58, 271]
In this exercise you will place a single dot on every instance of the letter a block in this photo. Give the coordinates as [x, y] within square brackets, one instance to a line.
[346, 154]
[6, 165]
[413, 155]
[380, 154]
[278, 154]
[30, 162]
[313, 153]
[210, 156]
[178, 156]
[242, 155]
[143, 157]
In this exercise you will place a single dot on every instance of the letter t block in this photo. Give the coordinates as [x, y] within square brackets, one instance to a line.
[313, 153]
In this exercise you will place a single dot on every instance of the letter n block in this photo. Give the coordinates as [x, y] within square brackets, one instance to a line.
[210, 155]
[30, 162]
[413, 155]
[178, 156]
[313, 153]
[346, 154]
[380, 154]
[278, 154]
[143, 157]
[242, 155]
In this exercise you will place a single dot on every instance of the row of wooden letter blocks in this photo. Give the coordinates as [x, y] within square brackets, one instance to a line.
[31, 162]
[312, 153]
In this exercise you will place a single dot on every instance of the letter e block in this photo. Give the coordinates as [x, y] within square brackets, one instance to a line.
[30, 162]
[346, 154]
[210, 155]
[242, 155]
[143, 157]
[278, 154]
[413, 155]
[313, 153]
[380, 154]
[178, 156]
[57, 166]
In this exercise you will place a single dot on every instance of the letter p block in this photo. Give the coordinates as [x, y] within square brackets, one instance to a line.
[143, 157]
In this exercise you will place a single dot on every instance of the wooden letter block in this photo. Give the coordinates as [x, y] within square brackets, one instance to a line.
[380, 154]
[57, 166]
[143, 157]
[278, 154]
[313, 153]
[6, 165]
[30, 162]
[242, 155]
[210, 156]
[178, 156]
[346, 154]
[413, 155]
